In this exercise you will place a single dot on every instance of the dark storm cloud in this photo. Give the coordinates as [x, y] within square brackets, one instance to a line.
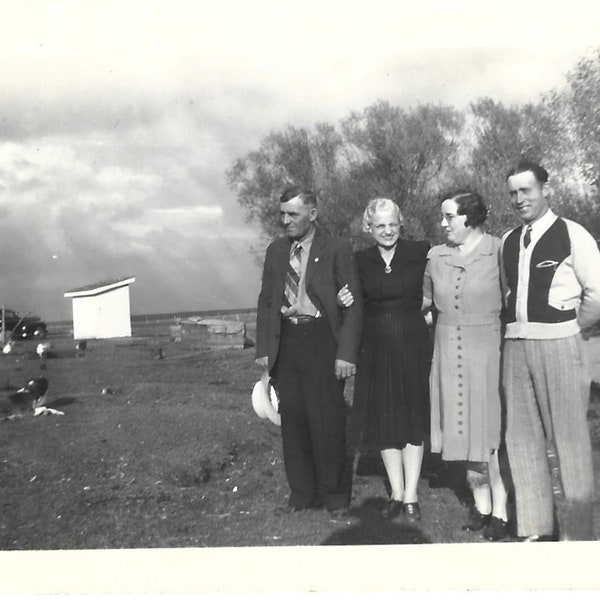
[104, 203]
[37, 115]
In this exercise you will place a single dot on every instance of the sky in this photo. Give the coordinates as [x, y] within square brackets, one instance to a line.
[118, 121]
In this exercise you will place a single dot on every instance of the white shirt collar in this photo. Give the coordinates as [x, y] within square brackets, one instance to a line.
[539, 227]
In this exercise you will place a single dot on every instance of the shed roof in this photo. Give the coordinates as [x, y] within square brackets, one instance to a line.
[93, 289]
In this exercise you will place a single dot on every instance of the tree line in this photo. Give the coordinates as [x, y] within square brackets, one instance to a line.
[412, 155]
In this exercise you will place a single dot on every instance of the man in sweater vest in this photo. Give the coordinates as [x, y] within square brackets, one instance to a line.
[552, 289]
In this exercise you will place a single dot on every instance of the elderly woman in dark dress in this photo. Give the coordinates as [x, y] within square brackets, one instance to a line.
[462, 282]
[391, 388]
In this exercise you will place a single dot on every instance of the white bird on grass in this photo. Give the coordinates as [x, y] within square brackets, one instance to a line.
[42, 350]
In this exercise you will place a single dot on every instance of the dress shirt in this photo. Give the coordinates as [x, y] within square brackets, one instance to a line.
[303, 306]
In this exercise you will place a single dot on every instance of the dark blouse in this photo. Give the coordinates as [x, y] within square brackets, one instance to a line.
[402, 288]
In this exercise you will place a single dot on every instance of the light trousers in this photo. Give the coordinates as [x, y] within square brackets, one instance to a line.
[547, 386]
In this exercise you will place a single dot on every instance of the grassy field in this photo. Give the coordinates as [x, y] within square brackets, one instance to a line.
[173, 456]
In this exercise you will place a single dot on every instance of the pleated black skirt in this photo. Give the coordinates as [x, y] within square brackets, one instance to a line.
[391, 400]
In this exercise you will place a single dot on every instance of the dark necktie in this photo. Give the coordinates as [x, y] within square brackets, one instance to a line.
[292, 277]
[527, 237]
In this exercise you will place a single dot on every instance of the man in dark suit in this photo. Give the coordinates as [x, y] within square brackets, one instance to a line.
[309, 345]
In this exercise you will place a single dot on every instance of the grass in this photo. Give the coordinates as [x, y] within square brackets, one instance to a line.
[176, 457]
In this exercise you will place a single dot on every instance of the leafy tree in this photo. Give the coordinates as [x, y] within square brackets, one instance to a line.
[404, 154]
[575, 158]
[314, 159]
[383, 151]
[583, 97]
[500, 137]
[413, 155]
[258, 178]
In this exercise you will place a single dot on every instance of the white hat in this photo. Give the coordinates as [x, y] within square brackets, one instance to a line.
[265, 401]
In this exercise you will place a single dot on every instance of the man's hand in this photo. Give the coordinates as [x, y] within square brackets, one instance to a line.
[344, 297]
[262, 362]
[344, 369]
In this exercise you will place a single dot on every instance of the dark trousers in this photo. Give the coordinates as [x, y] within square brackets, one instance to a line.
[313, 416]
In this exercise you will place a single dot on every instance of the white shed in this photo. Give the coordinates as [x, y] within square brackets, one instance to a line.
[101, 310]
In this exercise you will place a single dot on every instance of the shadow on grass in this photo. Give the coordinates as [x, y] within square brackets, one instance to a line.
[61, 401]
[447, 474]
[372, 529]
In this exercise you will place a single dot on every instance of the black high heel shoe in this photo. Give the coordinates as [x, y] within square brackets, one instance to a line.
[392, 509]
[476, 521]
[495, 530]
[412, 511]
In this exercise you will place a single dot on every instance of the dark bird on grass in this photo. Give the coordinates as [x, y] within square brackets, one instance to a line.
[37, 388]
[81, 347]
[25, 400]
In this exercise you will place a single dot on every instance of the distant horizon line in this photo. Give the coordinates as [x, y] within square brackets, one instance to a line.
[166, 315]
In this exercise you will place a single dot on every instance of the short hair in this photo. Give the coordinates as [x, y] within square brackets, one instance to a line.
[527, 165]
[308, 197]
[471, 204]
[378, 204]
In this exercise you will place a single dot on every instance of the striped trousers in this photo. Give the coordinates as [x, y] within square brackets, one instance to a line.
[547, 385]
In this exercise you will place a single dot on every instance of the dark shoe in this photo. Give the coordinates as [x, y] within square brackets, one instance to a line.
[341, 515]
[412, 511]
[495, 530]
[392, 509]
[476, 520]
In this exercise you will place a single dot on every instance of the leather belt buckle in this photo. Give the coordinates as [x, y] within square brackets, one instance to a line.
[301, 319]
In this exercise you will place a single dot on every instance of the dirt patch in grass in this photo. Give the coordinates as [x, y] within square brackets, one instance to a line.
[172, 455]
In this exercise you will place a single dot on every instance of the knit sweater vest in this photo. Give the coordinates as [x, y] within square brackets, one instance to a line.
[548, 253]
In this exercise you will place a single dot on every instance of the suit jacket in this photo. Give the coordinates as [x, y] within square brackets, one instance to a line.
[330, 266]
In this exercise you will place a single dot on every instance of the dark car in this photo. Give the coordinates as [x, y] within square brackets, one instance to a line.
[23, 328]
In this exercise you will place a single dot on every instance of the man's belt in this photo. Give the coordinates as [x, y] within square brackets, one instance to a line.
[301, 319]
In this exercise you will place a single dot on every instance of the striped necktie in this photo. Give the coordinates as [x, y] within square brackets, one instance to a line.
[527, 237]
[292, 277]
